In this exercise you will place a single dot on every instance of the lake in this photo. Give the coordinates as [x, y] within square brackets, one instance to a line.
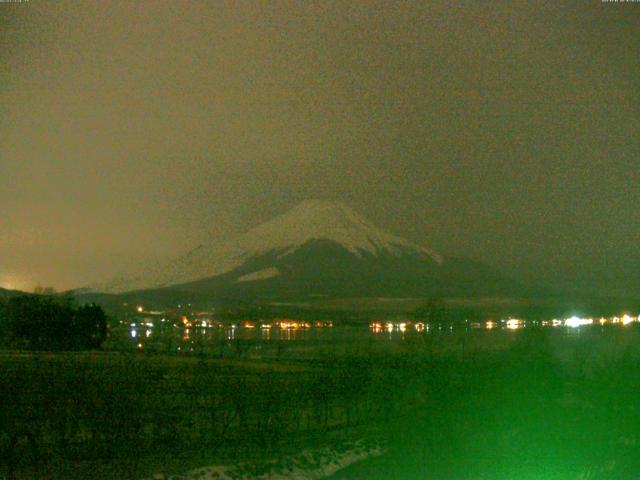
[299, 339]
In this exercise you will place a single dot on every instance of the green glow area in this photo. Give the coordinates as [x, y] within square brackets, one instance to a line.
[544, 409]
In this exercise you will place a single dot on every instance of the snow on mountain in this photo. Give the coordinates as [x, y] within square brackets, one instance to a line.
[310, 220]
[259, 275]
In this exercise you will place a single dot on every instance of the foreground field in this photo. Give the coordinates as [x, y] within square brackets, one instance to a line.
[552, 407]
[106, 415]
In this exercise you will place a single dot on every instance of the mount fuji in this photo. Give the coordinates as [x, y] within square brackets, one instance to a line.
[317, 249]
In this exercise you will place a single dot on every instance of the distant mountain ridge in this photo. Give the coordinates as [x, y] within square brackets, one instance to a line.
[317, 248]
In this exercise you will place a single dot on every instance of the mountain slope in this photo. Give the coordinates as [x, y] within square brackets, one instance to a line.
[310, 220]
[317, 249]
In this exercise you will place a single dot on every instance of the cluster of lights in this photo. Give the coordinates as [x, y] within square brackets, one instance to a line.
[379, 327]
[624, 320]
[292, 324]
[571, 322]
[514, 323]
[575, 322]
[508, 323]
[402, 327]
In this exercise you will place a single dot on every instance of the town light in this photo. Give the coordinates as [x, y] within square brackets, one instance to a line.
[575, 322]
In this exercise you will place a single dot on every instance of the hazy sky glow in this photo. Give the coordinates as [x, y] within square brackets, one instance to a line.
[504, 131]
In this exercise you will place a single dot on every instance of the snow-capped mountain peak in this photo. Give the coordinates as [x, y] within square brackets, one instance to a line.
[308, 221]
[317, 219]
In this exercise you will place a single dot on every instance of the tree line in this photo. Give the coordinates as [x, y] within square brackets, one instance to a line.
[50, 322]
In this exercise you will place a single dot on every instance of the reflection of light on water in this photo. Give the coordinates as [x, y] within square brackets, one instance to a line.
[231, 332]
[266, 333]
[376, 327]
[389, 327]
[419, 327]
[403, 327]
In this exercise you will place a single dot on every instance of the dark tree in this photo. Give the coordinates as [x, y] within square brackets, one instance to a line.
[42, 322]
[90, 325]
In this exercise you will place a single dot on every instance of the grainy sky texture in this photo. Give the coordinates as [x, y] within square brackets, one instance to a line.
[506, 131]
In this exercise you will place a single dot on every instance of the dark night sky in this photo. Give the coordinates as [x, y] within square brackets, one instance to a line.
[506, 131]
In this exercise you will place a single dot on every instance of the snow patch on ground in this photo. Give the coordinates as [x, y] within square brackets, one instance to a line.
[307, 465]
